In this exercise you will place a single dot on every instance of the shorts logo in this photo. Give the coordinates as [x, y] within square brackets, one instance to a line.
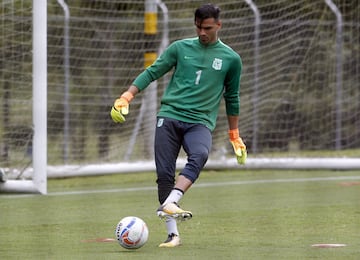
[217, 63]
[160, 122]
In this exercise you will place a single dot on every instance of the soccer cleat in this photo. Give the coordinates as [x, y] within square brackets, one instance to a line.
[174, 211]
[172, 241]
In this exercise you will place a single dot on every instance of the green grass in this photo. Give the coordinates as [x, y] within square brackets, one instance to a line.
[237, 215]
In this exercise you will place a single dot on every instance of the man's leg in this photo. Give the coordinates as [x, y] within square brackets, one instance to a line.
[168, 141]
[197, 144]
[167, 146]
[196, 159]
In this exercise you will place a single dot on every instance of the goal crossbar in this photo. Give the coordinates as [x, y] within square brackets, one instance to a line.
[254, 164]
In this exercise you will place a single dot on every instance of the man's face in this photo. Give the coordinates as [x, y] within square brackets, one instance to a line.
[207, 30]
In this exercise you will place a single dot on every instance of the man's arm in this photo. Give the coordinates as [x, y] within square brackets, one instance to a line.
[233, 122]
[133, 90]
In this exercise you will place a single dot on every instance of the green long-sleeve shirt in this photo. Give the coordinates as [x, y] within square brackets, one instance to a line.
[202, 75]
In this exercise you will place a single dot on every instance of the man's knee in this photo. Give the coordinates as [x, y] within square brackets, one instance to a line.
[195, 164]
[199, 158]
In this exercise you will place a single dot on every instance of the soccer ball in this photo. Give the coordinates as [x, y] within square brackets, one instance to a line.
[132, 232]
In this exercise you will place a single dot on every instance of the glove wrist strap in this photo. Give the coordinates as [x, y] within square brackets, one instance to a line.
[233, 134]
[128, 96]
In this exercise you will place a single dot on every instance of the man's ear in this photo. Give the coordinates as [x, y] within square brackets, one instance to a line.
[219, 23]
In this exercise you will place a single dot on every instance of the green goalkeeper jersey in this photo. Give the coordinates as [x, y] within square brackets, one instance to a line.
[202, 75]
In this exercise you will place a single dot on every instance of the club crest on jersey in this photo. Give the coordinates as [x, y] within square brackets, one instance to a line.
[160, 122]
[217, 63]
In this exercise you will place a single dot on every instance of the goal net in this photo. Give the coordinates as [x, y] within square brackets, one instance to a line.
[299, 89]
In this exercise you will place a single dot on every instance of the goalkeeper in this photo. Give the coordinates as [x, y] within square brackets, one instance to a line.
[205, 71]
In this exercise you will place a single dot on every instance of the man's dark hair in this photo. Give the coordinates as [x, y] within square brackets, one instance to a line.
[207, 11]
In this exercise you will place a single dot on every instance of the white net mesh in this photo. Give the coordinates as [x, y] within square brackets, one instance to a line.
[290, 99]
[15, 80]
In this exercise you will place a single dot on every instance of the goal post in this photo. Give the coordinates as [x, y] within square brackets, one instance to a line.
[40, 95]
[38, 183]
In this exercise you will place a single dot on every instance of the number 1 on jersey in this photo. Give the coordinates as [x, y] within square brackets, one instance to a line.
[198, 76]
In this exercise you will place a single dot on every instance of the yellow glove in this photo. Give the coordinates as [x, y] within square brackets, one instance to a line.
[121, 107]
[238, 145]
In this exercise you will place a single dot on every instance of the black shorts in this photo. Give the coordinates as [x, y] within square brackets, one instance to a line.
[170, 136]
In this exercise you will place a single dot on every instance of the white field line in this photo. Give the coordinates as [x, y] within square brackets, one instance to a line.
[199, 185]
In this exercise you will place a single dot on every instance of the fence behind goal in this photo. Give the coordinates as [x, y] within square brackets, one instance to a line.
[300, 88]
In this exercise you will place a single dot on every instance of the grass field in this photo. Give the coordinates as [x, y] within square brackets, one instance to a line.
[243, 214]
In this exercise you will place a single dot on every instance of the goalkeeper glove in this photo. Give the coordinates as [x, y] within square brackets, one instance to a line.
[238, 145]
[121, 107]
